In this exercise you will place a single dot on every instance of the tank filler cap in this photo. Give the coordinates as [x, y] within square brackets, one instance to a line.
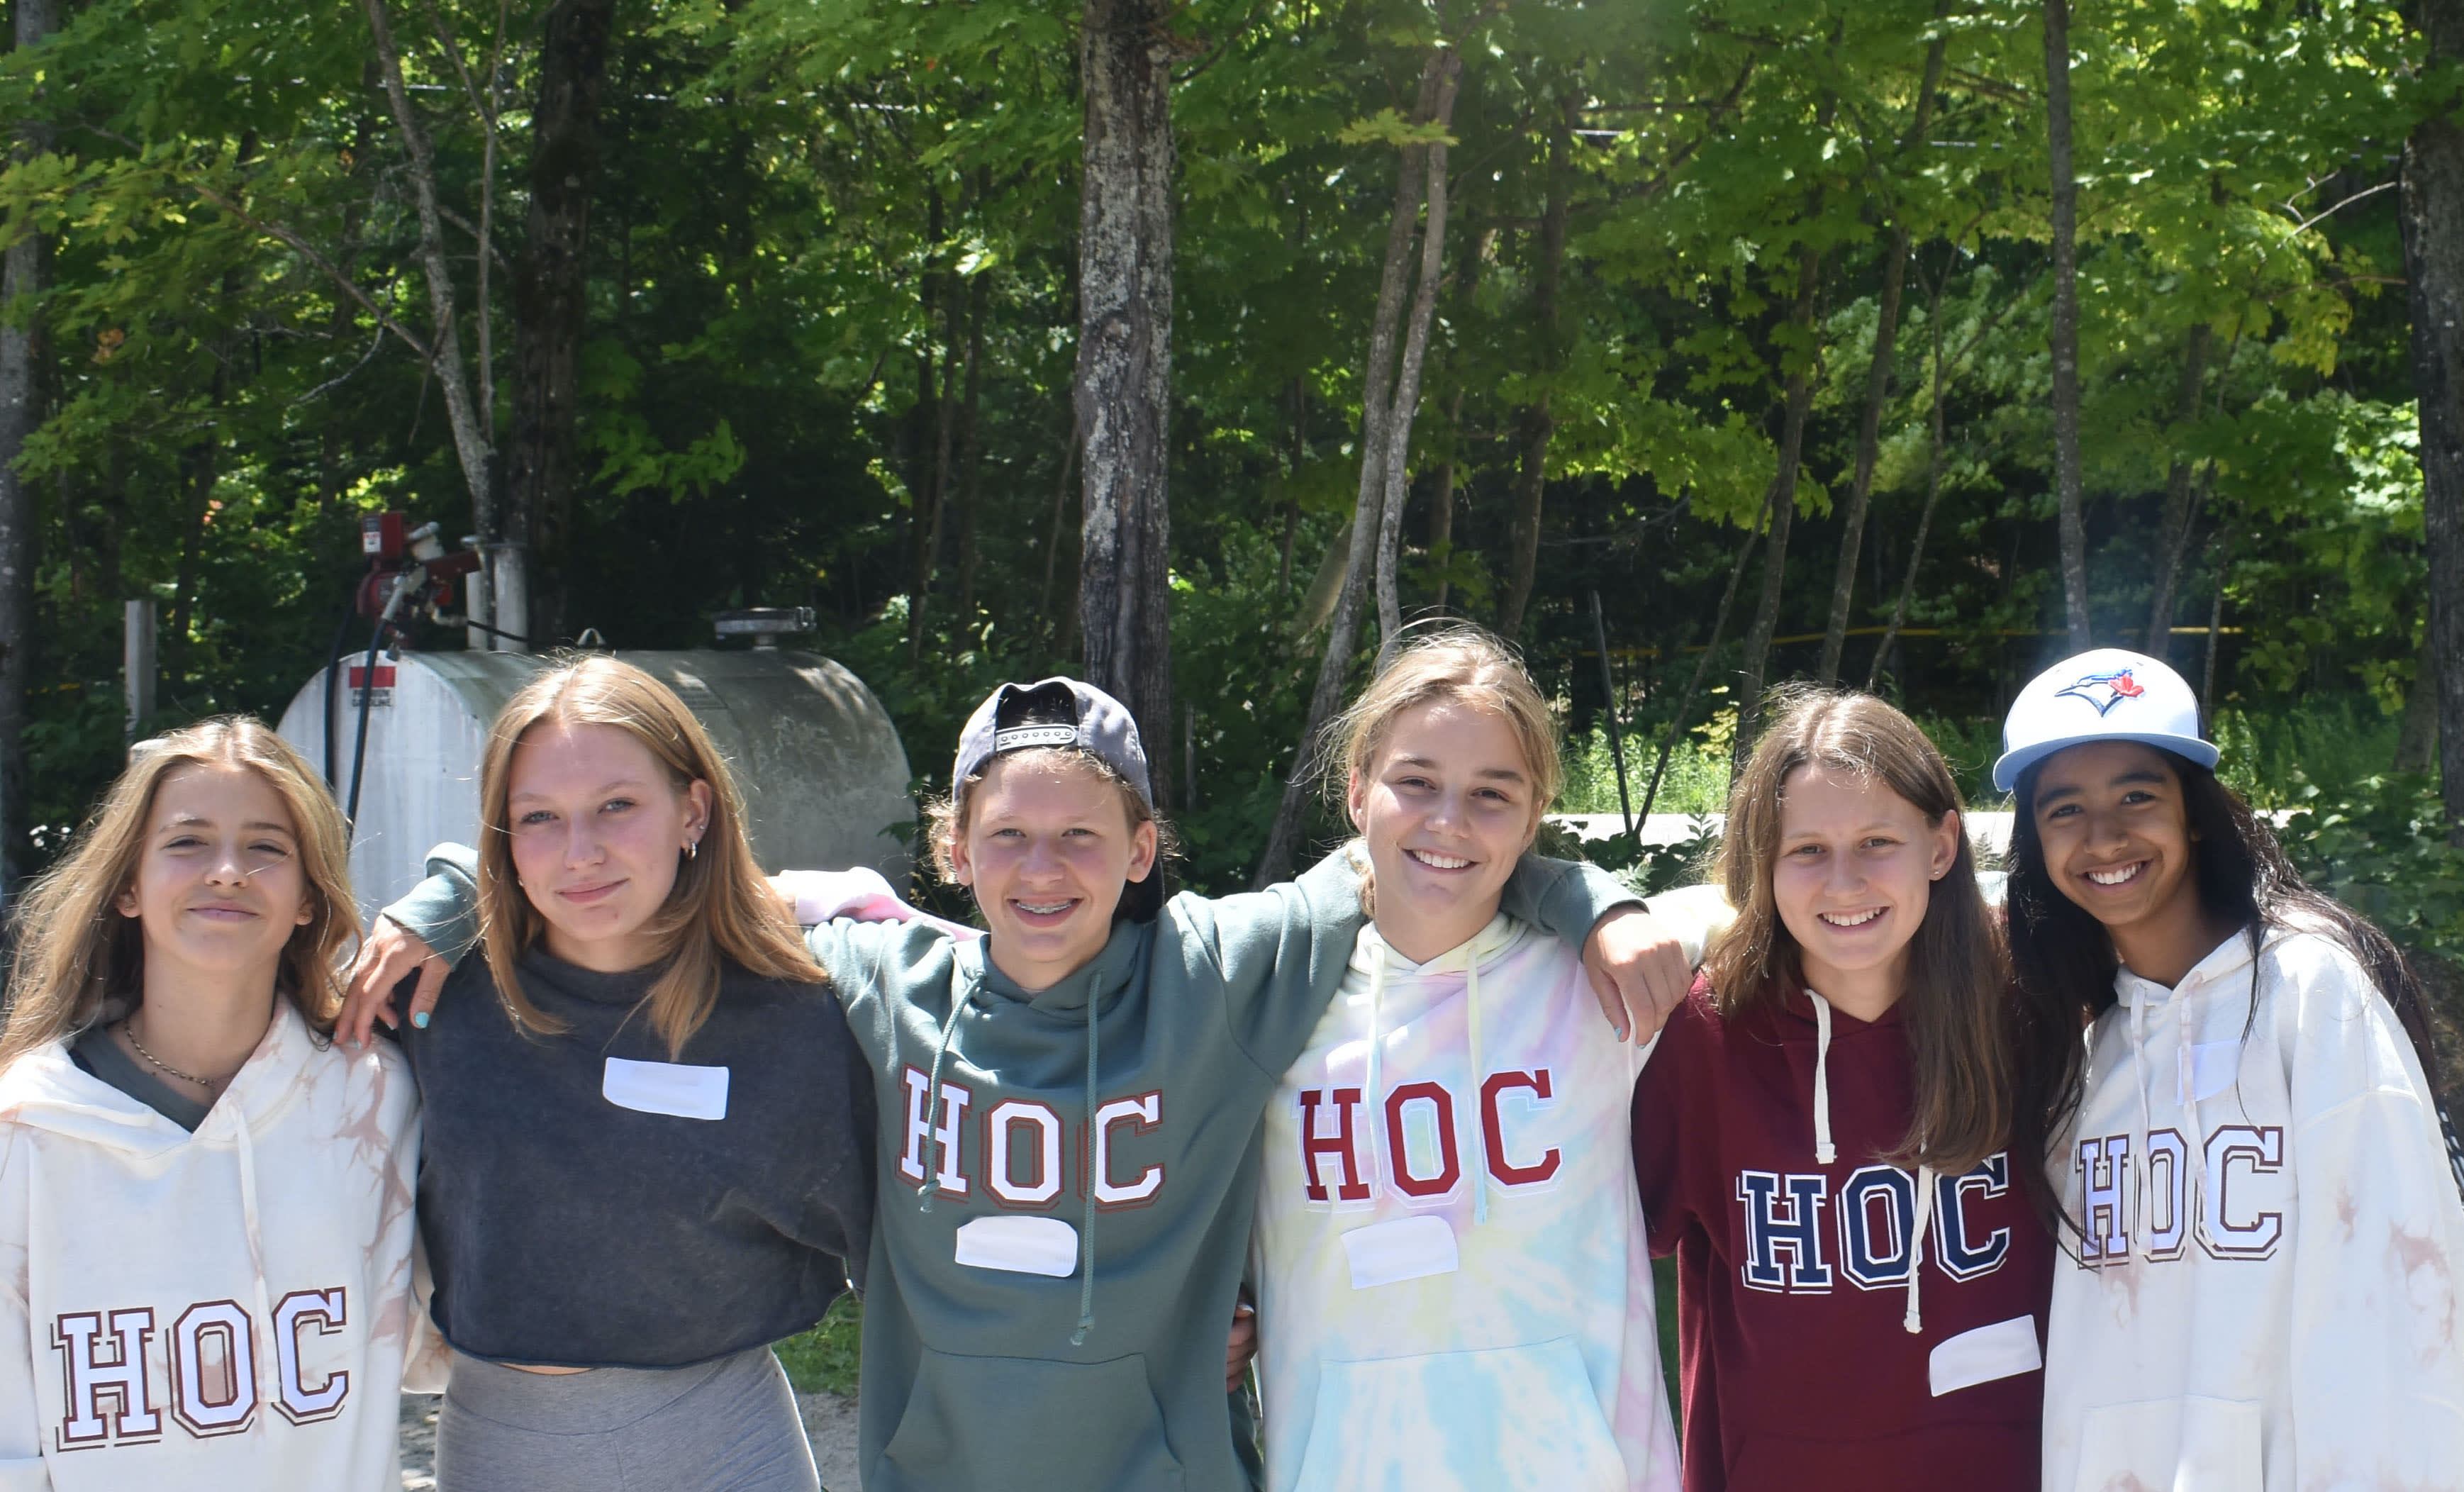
[765, 624]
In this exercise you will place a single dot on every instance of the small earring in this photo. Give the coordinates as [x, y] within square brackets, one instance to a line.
[693, 849]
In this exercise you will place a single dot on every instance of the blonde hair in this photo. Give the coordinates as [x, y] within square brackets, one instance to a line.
[1463, 663]
[80, 961]
[1958, 996]
[719, 907]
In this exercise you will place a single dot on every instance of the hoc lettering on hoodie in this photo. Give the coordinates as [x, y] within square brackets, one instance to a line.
[129, 1373]
[1801, 1237]
[1018, 1151]
[2149, 1202]
[1341, 1147]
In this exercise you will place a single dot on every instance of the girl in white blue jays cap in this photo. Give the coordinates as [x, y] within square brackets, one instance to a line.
[2264, 1225]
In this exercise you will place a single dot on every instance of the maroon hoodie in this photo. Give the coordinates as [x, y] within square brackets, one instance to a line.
[1793, 1303]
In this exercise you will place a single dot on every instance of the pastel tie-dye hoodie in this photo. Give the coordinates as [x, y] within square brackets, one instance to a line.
[1454, 1284]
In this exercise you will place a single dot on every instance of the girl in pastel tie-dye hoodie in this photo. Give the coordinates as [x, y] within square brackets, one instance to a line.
[1454, 1283]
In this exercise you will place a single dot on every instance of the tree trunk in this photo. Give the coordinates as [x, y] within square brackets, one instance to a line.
[2181, 506]
[1934, 488]
[21, 353]
[2434, 252]
[945, 434]
[551, 301]
[1877, 385]
[1781, 510]
[2416, 740]
[1406, 403]
[2067, 482]
[474, 441]
[1442, 505]
[971, 453]
[1869, 445]
[1124, 375]
[1537, 424]
[1282, 840]
[1701, 665]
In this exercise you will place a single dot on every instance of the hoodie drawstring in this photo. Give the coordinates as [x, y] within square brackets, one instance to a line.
[1914, 1320]
[2185, 1070]
[932, 1104]
[262, 1323]
[2146, 1109]
[1086, 1239]
[1824, 1152]
[1479, 1078]
[1377, 997]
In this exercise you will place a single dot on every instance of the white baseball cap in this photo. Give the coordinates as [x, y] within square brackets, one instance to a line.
[2108, 695]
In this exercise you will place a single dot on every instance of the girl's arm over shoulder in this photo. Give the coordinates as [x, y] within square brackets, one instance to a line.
[428, 931]
[1280, 951]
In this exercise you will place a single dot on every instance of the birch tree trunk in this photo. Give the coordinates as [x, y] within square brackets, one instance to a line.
[474, 442]
[2434, 251]
[2067, 480]
[1407, 395]
[1436, 103]
[21, 350]
[1124, 375]
[551, 287]
[1539, 425]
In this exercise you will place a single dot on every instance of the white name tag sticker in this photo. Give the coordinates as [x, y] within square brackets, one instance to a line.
[1020, 1245]
[1407, 1249]
[666, 1087]
[2004, 1349]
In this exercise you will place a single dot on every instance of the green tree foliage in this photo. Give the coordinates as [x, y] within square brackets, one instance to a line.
[807, 211]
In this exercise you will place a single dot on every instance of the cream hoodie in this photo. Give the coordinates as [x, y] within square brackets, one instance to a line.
[2279, 1310]
[224, 1310]
[1454, 1288]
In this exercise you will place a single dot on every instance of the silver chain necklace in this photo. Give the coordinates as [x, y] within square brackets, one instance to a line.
[207, 1084]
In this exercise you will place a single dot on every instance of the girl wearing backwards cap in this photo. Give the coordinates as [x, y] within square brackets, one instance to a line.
[2247, 1150]
[1068, 1146]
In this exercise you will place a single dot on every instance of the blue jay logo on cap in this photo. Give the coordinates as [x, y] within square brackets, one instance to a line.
[2105, 691]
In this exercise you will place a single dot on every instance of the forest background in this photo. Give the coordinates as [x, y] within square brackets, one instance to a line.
[1693, 345]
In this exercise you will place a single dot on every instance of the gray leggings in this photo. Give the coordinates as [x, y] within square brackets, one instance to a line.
[724, 1426]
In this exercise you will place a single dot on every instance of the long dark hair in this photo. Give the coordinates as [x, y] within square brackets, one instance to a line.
[1958, 984]
[2066, 960]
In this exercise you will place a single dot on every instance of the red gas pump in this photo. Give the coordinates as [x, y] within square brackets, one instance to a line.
[410, 578]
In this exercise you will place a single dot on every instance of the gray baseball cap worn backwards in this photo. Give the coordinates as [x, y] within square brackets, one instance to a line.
[1073, 715]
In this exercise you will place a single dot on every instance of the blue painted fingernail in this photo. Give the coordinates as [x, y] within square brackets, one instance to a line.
[419, 1019]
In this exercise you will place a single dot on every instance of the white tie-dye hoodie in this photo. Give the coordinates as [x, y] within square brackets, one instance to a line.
[212, 1311]
[1454, 1285]
[2265, 1298]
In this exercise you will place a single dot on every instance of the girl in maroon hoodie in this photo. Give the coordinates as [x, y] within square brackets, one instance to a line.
[1823, 1137]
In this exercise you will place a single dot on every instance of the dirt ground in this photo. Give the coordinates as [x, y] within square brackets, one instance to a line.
[829, 1422]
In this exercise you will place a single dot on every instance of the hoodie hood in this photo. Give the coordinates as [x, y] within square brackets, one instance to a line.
[48, 1090]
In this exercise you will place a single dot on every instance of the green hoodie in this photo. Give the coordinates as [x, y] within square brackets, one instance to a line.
[996, 1356]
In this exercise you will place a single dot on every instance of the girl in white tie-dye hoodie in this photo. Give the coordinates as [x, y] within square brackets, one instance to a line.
[1454, 1284]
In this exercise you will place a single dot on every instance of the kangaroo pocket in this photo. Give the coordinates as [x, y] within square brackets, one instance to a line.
[1025, 1424]
[2187, 1444]
[1506, 1420]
